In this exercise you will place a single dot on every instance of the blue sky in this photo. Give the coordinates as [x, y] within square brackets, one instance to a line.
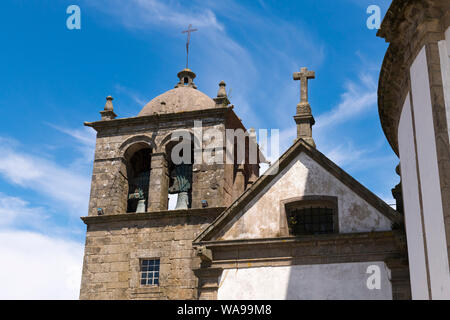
[53, 79]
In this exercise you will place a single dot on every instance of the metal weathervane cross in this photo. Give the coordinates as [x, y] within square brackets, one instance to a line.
[188, 31]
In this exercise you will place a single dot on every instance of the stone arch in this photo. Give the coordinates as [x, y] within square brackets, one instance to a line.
[134, 173]
[135, 143]
[165, 149]
[168, 139]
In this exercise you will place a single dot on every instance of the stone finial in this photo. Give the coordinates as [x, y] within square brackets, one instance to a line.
[222, 92]
[304, 117]
[222, 97]
[108, 104]
[108, 111]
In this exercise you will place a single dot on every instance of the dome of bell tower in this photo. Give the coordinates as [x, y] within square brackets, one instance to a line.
[184, 97]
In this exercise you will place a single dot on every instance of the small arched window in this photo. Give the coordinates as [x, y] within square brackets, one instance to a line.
[310, 215]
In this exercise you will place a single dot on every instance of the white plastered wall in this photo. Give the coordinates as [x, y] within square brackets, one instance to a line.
[444, 53]
[411, 201]
[429, 179]
[305, 282]
[303, 176]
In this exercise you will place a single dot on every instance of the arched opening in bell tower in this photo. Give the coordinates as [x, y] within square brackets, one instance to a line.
[138, 174]
[180, 160]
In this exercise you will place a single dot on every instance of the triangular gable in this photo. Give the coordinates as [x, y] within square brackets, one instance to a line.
[284, 161]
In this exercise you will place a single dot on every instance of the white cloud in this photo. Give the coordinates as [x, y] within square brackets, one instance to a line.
[35, 266]
[287, 137]
[355, 101]
[345, 154]
[46, 177]
[132, 94]
[85, 138]
[141, 14]
[15, 211]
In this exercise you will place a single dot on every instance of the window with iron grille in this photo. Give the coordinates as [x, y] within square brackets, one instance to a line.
[310, 220]
[150, 272]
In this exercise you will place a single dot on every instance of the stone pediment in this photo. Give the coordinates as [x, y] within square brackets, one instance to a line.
[301, 171]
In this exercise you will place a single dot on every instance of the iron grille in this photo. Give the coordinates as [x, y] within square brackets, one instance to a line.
[310, 220]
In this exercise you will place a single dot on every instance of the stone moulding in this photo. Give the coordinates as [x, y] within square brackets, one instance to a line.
[152, 215]
[408, 26]
[313, 240]
[158, 118]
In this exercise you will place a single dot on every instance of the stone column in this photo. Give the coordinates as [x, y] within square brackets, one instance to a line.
[159, 183]
[401, 286]
[208, 282]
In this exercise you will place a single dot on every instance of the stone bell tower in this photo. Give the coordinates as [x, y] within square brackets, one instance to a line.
[136, 248]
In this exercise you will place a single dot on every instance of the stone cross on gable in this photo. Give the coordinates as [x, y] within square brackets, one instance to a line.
[304, 75]
[304, 117]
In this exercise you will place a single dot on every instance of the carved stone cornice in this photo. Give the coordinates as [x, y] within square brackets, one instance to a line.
[159, 118]
[107, 218]
[318, 249]
[407, 26]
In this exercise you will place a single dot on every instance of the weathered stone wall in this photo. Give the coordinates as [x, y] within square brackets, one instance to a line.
[208, 184]
[109, 181]
[262, 217]
[116, 240]
[115, 245]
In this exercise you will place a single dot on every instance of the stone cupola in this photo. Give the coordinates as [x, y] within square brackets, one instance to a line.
[186, 77]
[183, 98]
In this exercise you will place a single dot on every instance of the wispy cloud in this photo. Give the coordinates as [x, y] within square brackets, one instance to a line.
[46, 177]
[142, 14]
[25, 228]
[136, 97]
[267, 47]
[357, 98]
[346, 154]
[84, 142]
[15, 211]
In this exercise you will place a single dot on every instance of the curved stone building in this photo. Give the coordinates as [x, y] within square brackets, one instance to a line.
[414, 107]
